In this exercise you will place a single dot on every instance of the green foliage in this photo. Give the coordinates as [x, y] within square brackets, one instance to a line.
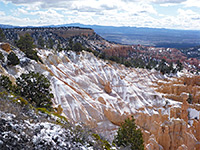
[2, 35]
[25, 43]
[40, 42]
[70, 45]
[1, 57]
[50, 43]
[164, 68]
[89, 50]
[43, 110]
[105, 144]
[102, 55]
[6, 83]
[114, 58]
[151, 64]
[96, 53]
[59, 48]
[129, 136]
[77, 47]
[179, 66]
[32, 54]
[138, 62]
[62, 118]
[21, 101]
[127, 63]
[13, 59]
[35, 88]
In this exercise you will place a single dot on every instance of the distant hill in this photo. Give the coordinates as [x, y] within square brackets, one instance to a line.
[158, 37]
[7, 26]
[147, 36]
[57, 37]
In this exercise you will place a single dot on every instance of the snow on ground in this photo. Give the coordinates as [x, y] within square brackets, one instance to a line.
[78, 81]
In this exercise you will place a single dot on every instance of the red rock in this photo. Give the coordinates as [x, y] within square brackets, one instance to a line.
[107, 88]
[6, 47]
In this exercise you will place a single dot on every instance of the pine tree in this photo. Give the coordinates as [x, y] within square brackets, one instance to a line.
[6, 83]
[35, 88]
[25, 43]
[129, 136]
[179, 66]
[13, 59]
[40, 42]
[50, 43]
[127, 63]
[77, 47]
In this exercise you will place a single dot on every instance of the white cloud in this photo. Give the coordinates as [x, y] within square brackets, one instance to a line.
[103, 12]
[168, 1]
[192, 3]
[186, 19]
[2, 13]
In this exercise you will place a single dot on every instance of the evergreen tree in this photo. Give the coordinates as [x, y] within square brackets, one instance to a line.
[25, 43]
[35, 87]
[127, 63]
[50, 43]
[40, 42]
[129, 136]
[6, 83]
[1, 57]
[59, 48]
[2, 35]
[70, 45]
[77, 47]
[179, 66]
[13, 59]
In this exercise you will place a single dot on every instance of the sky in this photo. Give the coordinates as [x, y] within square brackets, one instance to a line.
[171, 14]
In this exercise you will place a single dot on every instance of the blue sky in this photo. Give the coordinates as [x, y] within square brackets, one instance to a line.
[173, 14]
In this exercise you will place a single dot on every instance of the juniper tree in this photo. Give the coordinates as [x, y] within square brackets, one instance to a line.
[129, 136]
[35, 88]
[13, 59]
[25, 44]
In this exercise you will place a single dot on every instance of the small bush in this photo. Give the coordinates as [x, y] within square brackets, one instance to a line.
[1, 57]
[77, 47]
[35, 87]
[127, 63]
[103, 143]
[13, 59]
[129, 136]
[32, 54]
[6, 83]
[25, 43]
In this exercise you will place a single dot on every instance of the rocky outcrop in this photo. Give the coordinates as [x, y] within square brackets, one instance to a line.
[171, 133]
[175, 89]
[58, 38]
[103, 95]
[5, 47]
[115, 117]
[108, 88]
